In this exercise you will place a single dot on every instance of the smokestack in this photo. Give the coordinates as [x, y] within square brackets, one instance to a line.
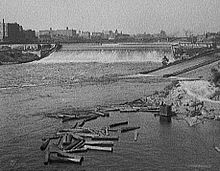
[3, 28]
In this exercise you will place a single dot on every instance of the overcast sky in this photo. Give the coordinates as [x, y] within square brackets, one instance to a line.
[130, 16]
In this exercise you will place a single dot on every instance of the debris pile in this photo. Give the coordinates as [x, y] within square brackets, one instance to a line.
[67, 144]
[193, 101]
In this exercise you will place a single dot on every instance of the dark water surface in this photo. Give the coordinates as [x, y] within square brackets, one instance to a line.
[28, 92]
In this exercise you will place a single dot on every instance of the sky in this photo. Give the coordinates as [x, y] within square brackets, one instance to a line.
[130, 16]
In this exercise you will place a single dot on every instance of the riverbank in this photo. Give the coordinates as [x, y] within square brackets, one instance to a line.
[17, 54]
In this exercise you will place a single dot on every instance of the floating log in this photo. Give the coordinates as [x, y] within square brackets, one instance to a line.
[126, 129]
[81, 124]
[76, 124]
[67, 138]
[106, 131]
[106, 138]
[72, 145]
[111, 109]
[73, 130]
[100, 143]
[47, 157]
[77, 137]
[65, 115]
[217, 149]
[128, 110]
[135, 135]
[80, 144]
[118, 124]
[73, 157]
[45, 144]
[59, 141]
[68, 118]
[89, 147]
[77, 159]
[87, 135]
[78, 150]
[113, 130]
[99, 113]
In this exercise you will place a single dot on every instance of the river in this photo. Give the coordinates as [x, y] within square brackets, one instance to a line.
[69, 79]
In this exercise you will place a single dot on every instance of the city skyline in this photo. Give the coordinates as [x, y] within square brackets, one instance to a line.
[131, 17]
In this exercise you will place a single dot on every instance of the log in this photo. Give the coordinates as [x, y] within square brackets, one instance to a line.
[77, 137]
[77, 159]
[78, 150]
[106, 138]
[63, 155]
[118, 124]
[113, 130]
[80, 144]
[47, 157]
[135, 135]
[86, 135]
[217, 149]
[100, 143]
[126, 129]
[72, 145]
[76, 124]
[81, 124]
[89, 147]
[45, 144]
[67, 138]
[99, 113]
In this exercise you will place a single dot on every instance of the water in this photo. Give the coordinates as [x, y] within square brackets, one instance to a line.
[67, 79]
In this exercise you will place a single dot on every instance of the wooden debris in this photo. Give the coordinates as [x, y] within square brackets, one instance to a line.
[109, 149]
[126, 129]
[45, 144]
[135, 135]
[118, 124]
[75, 139]
[78, 150]
[100, 143]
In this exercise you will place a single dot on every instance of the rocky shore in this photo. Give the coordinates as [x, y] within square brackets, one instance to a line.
[194, 100]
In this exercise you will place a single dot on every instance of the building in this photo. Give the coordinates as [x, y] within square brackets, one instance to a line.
[63, 33]
[56, 35]
[44, 35]
[2, 31]
[96, 35]
[84, 34]
[11, 32]
[29, 36]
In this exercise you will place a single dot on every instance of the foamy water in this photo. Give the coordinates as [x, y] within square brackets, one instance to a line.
[106, 56]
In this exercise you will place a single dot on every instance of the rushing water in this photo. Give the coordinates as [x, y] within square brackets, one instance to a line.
[68, 79]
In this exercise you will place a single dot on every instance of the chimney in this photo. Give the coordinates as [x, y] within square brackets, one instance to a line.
[3, 28]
